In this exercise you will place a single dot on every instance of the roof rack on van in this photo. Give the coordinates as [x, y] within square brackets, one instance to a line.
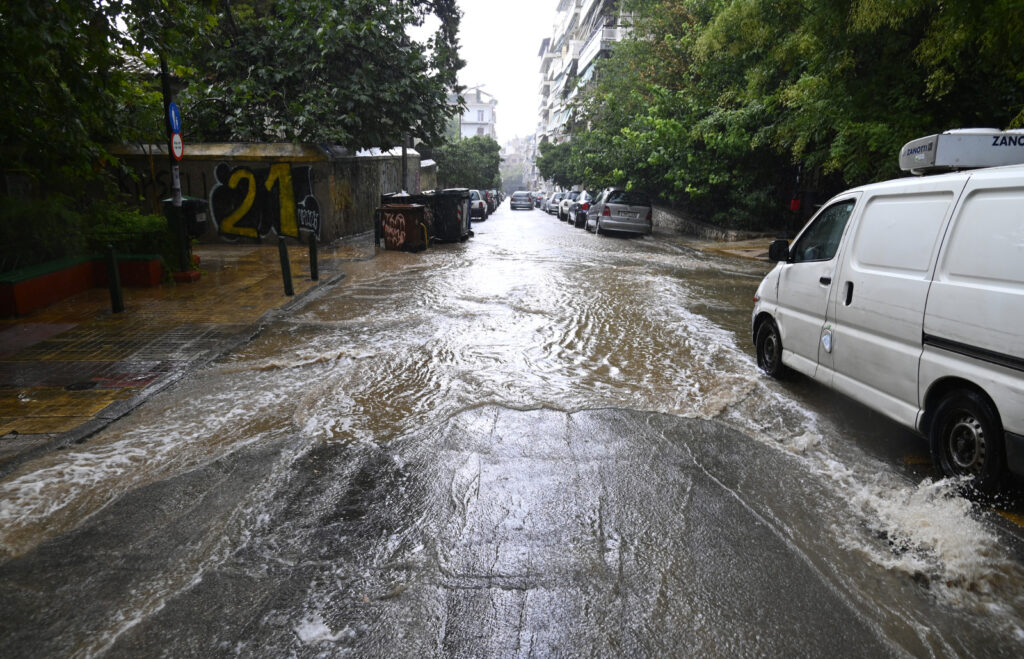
[964, 148]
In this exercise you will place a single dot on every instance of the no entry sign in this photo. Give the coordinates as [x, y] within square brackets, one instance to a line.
[177, 146]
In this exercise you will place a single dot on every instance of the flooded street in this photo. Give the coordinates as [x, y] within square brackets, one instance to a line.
[541, 441]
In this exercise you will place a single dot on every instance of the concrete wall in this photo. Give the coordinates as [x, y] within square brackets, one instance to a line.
[428, 175]
[256, 190]
[667, 220]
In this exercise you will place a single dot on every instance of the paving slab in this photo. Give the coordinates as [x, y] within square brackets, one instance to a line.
[71, 368]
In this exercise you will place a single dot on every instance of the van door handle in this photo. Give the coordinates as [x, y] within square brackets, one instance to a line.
[825, 280]
[849, 293]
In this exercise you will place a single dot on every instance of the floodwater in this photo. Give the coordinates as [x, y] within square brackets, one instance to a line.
[540, 441]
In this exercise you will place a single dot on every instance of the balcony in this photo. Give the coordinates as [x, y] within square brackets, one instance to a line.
[568, 22]
[600, 41]
[570, 53]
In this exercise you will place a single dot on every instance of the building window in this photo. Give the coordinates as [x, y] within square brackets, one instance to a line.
[479, 115]
[480, 130]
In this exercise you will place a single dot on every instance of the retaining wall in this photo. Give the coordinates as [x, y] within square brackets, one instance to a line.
[669, 220]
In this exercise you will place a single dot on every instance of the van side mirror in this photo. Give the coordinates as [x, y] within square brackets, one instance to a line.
[778, 251]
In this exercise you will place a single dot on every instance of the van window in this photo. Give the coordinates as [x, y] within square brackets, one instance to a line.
[899, 232]
[820, 241]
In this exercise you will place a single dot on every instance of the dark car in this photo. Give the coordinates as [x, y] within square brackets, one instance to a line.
[522, 200]
[618, 209]
[491, 199]
[578, 209]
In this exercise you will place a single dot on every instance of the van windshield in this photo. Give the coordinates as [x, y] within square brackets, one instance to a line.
[820, 241]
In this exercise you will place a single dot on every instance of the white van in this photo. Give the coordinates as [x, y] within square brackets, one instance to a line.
[908, 296]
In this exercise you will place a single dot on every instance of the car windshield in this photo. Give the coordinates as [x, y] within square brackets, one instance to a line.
[520, 195]
[630, 198]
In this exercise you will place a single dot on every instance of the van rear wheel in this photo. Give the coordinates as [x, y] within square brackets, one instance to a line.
[967, 440]
[769, 350]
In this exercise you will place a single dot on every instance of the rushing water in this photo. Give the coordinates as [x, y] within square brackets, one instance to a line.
[535, 316]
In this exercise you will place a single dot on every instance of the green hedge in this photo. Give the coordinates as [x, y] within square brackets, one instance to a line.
[41, 230]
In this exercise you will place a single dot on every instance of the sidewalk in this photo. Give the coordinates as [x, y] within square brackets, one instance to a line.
[70, 369]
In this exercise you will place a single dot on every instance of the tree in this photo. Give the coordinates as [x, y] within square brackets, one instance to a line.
[322, 71]
[555, 164]
[470, 163]
[82, 74]
[718, 105]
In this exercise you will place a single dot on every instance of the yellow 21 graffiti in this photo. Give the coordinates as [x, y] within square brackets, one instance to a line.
[244, 203]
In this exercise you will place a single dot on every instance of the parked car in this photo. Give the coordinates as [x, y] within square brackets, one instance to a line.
[908, 296]
[551, 204]
[522, 200]
[477, 205]
[492, 201]
[566, 203]
[538, 199]
[616, 209]
[578, 209]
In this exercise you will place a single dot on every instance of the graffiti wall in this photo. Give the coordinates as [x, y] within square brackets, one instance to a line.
[257, 191]
[255, 202]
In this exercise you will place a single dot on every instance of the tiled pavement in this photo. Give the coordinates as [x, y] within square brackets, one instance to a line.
[73, 367]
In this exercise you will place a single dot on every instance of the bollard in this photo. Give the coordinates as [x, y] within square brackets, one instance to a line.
[314, 265]
[286, 268]
[114, 281]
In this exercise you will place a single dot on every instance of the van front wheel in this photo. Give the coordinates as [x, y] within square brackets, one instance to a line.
[769, 350]
[967, 440]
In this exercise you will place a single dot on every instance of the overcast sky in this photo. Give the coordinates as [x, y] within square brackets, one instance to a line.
[499, 40]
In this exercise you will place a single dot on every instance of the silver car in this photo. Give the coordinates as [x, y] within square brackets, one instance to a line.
[616, 209]
[551, 205]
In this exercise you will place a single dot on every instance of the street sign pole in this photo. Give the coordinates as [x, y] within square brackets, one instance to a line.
[171, 116]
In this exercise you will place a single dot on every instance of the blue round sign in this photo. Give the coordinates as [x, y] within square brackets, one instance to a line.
[174, 117]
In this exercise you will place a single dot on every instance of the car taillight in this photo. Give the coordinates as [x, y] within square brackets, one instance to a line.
[585, 206]
[606, 212]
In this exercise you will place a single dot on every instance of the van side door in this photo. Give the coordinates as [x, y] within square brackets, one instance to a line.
[974, 319]
[881, 290]
[805, 281]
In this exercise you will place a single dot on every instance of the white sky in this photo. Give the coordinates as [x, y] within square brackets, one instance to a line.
[499, 40]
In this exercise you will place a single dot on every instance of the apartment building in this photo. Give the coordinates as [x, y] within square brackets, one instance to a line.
[479, 117]
[583, 31]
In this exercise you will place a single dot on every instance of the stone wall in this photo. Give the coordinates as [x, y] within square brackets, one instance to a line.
[669, 220]
[256, 190]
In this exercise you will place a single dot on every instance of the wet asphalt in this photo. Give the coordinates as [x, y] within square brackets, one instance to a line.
[538, 443]
[498, 533]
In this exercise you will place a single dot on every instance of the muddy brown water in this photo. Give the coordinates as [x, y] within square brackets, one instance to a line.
[541, 441]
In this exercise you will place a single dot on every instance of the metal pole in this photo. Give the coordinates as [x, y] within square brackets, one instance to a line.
[314, 265]
[114, 281]
[184, 260]
[286, 268]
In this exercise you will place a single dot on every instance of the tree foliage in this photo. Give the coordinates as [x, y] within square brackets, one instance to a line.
[322, 71]
[82, 74]
[719, 106]
[555, 163]
[472, 163]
